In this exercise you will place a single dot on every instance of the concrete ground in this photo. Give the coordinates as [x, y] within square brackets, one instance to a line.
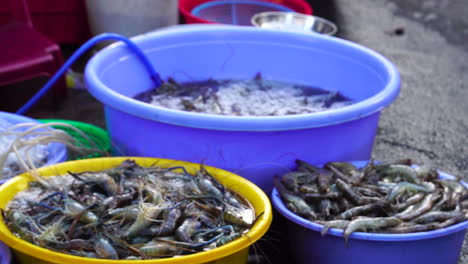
[427, 41]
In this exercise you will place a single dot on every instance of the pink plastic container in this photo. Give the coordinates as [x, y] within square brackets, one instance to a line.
[186, 7]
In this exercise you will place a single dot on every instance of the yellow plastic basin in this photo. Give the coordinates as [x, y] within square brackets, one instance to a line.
[234, 252]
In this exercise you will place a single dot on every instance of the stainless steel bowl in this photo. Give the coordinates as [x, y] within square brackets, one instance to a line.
[291, 21]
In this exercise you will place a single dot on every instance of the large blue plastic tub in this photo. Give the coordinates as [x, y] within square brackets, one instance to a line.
[253, 147]
[440, 246]
[57, 151]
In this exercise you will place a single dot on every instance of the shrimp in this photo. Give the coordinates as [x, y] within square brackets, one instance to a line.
[127, 213]
[342, 169]
[405, 187]
[16, 220]
[306, 167]
[364, 224]
[340, 224]
[454, 185]
[73, 208]
[207, 186]
[50, 233]
[410, 201]
[294, 180]
[324, 178]
[185, 231]
[437, 216]
[297, 203]
[113, 201]
[451, 221]
[239, 216]
[308, 188]
[416, 210]
[358, 210]
[325, 208]
[228, 238]
[103, 180]
[426, 173]
[406, 172]
[75, 244]
[367, 192]
[104, 249]
[349, 192]
[410, 228]
[309, 197]
[164, 249]
[147, 213]
[167, 226]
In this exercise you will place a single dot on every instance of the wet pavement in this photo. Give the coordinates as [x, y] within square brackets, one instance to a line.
[427, 41]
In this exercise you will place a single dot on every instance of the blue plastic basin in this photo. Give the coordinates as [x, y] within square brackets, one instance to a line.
[57, 151]
[254, 147]
[440, 246]
[5, 254]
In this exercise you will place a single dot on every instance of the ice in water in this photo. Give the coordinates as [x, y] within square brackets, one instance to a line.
[250, 98]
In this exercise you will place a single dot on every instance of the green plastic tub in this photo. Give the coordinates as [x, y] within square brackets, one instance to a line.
[97, 134]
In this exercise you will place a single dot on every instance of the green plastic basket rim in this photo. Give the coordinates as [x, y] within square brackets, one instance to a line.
[88, 129]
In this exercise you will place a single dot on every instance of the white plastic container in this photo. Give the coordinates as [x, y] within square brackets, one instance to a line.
[131, 17]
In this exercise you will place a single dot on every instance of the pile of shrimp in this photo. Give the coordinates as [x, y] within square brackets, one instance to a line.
[129, 212]
[386, 197]
[26, 145]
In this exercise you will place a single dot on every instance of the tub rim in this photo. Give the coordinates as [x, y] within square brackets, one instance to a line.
[344, 114]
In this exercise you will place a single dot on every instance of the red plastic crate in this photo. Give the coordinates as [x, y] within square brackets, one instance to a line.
[61, 21]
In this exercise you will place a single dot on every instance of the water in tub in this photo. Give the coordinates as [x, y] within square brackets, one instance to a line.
[257, 97]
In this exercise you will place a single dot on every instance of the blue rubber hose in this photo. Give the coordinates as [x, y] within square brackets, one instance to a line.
[87, 45]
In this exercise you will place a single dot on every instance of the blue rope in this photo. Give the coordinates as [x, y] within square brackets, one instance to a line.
[87, 45]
